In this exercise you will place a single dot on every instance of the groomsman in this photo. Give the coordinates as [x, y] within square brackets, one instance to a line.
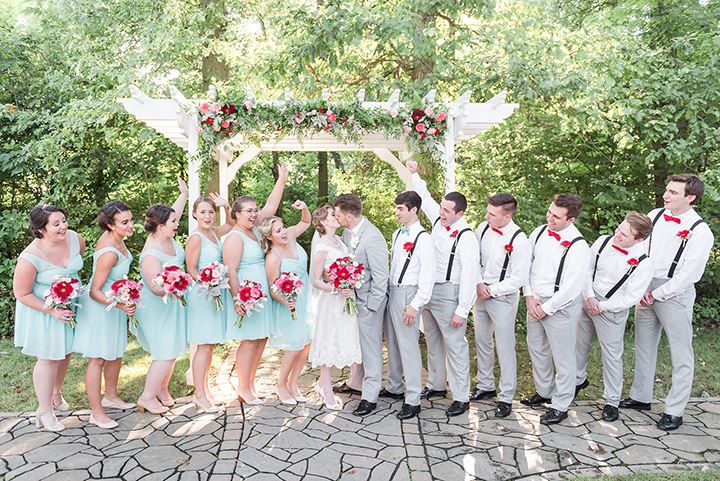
[445, 316]
[619, 274]
[679, 248]
[368, 246]
[552, 297]
[412, 266]
[504, 268]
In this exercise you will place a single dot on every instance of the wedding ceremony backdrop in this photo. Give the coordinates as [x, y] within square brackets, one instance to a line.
[603, 98]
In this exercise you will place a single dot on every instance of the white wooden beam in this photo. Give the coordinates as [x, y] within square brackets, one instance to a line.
[430, 96]
[245, 156]
[403, 172]
[138, 94]
[224, 186]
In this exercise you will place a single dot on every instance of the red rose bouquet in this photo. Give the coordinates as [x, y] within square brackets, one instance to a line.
[212, 280]
[174, 282]
[250, 296]
[61, 294]
[346, 273]
[289, 286]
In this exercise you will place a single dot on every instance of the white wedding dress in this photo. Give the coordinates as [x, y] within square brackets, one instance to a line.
[336, 341]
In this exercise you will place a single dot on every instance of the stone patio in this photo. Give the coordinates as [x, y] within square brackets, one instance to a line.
[274, 441]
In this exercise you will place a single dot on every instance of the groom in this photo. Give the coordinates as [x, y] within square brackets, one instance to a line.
[368, 246]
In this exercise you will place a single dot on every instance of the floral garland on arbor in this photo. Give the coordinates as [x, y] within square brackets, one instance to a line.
[423, 128]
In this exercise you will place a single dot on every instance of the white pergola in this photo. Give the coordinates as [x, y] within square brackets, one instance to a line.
[170, 117]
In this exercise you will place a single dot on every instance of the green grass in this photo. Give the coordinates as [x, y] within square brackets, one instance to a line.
[16, 377]
[675, 476]
[18, 395]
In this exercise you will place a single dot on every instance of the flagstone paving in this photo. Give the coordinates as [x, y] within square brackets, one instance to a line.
[306, 442]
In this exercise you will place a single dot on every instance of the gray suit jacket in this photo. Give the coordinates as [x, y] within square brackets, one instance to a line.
[371, 251]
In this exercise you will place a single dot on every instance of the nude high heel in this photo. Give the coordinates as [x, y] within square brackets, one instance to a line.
[47, 420]
[142, 408]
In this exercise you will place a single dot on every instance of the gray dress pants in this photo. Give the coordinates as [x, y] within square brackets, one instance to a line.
[403, 345]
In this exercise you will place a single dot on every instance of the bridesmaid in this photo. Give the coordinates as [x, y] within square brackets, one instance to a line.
[206, 325]
[40, 332]
[162, 328]
[245, 259]
[284, 254]
[101, 335]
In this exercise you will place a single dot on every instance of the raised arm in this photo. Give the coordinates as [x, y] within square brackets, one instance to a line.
[225, 205]
[297, 230]
[429, 205]
[273, 201]
[180, 202]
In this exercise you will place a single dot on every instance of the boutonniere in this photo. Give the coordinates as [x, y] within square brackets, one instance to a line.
[633, 262]
[447, 228]
[565, 244]
[354, 242]
[684, 234]
[509, 247]
[454, 233]
[408, 246]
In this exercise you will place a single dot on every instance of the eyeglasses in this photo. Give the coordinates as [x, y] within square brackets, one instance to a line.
[251, 211]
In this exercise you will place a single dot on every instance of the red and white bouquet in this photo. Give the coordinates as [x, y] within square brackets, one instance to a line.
[174, 282]
[212, 280]
[345, 273]
[250, 296]
[288, 285]
[124, 291]
[61, 294]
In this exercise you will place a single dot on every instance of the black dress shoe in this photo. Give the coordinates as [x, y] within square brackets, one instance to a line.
[457, 408]
[385, 393]
[553, 416]
[581, 386]
[669, 423]
[477, 394]
[428, 393]
[630, 403]
[345, 389]
[365, 407]
[408, 411]
[610, 413]
[535, 400]
[503, 409]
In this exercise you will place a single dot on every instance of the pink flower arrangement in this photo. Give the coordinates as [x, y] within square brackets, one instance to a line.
[250, 296]
[174, 282]
[212, 280]
[124, 291]
[61, 294]
[289, 286]
[345, 273]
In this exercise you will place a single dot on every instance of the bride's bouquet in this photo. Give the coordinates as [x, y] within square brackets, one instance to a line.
[61, 294]
[345, 273]
[124, 291]
[174, 282]
[250, 296]
[288, 285]
[212, 280]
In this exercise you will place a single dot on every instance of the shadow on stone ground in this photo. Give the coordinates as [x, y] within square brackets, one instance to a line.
[274, 441]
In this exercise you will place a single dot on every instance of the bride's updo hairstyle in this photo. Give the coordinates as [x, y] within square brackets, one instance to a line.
[319, 215]
[265, 228]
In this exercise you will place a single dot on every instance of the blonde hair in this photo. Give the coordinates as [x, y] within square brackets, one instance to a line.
[319, 215]
[265, 228]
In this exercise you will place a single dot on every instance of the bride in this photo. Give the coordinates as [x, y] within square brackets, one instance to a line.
[336, 339]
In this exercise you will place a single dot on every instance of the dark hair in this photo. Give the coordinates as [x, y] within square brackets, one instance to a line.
[640, 224]
[349, 203]
[200, 200]
[106, 216]
[508, 202]
[157, 215]
[39, 217]
[458, 199]
[238, 204]
[319, 215]
[573, 203]
[693, 185]
[409, 199]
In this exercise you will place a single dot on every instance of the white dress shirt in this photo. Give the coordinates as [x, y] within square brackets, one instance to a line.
[547, 252]
[467, 256]
[421, 269]
[664, 245]
[492, 255]
[611, 267]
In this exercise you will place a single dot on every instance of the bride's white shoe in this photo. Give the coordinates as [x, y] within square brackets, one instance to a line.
[337, 406]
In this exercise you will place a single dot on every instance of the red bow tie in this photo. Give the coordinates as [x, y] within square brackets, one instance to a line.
[497, 230]
[669, 218]
[554, 234]
[620, 249]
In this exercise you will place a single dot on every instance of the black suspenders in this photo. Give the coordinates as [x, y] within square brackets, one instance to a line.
[680, 250]
[506, 262]
[597, 257]
[452, 252]
[482, 234]
[562, 263]
[409, 254]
